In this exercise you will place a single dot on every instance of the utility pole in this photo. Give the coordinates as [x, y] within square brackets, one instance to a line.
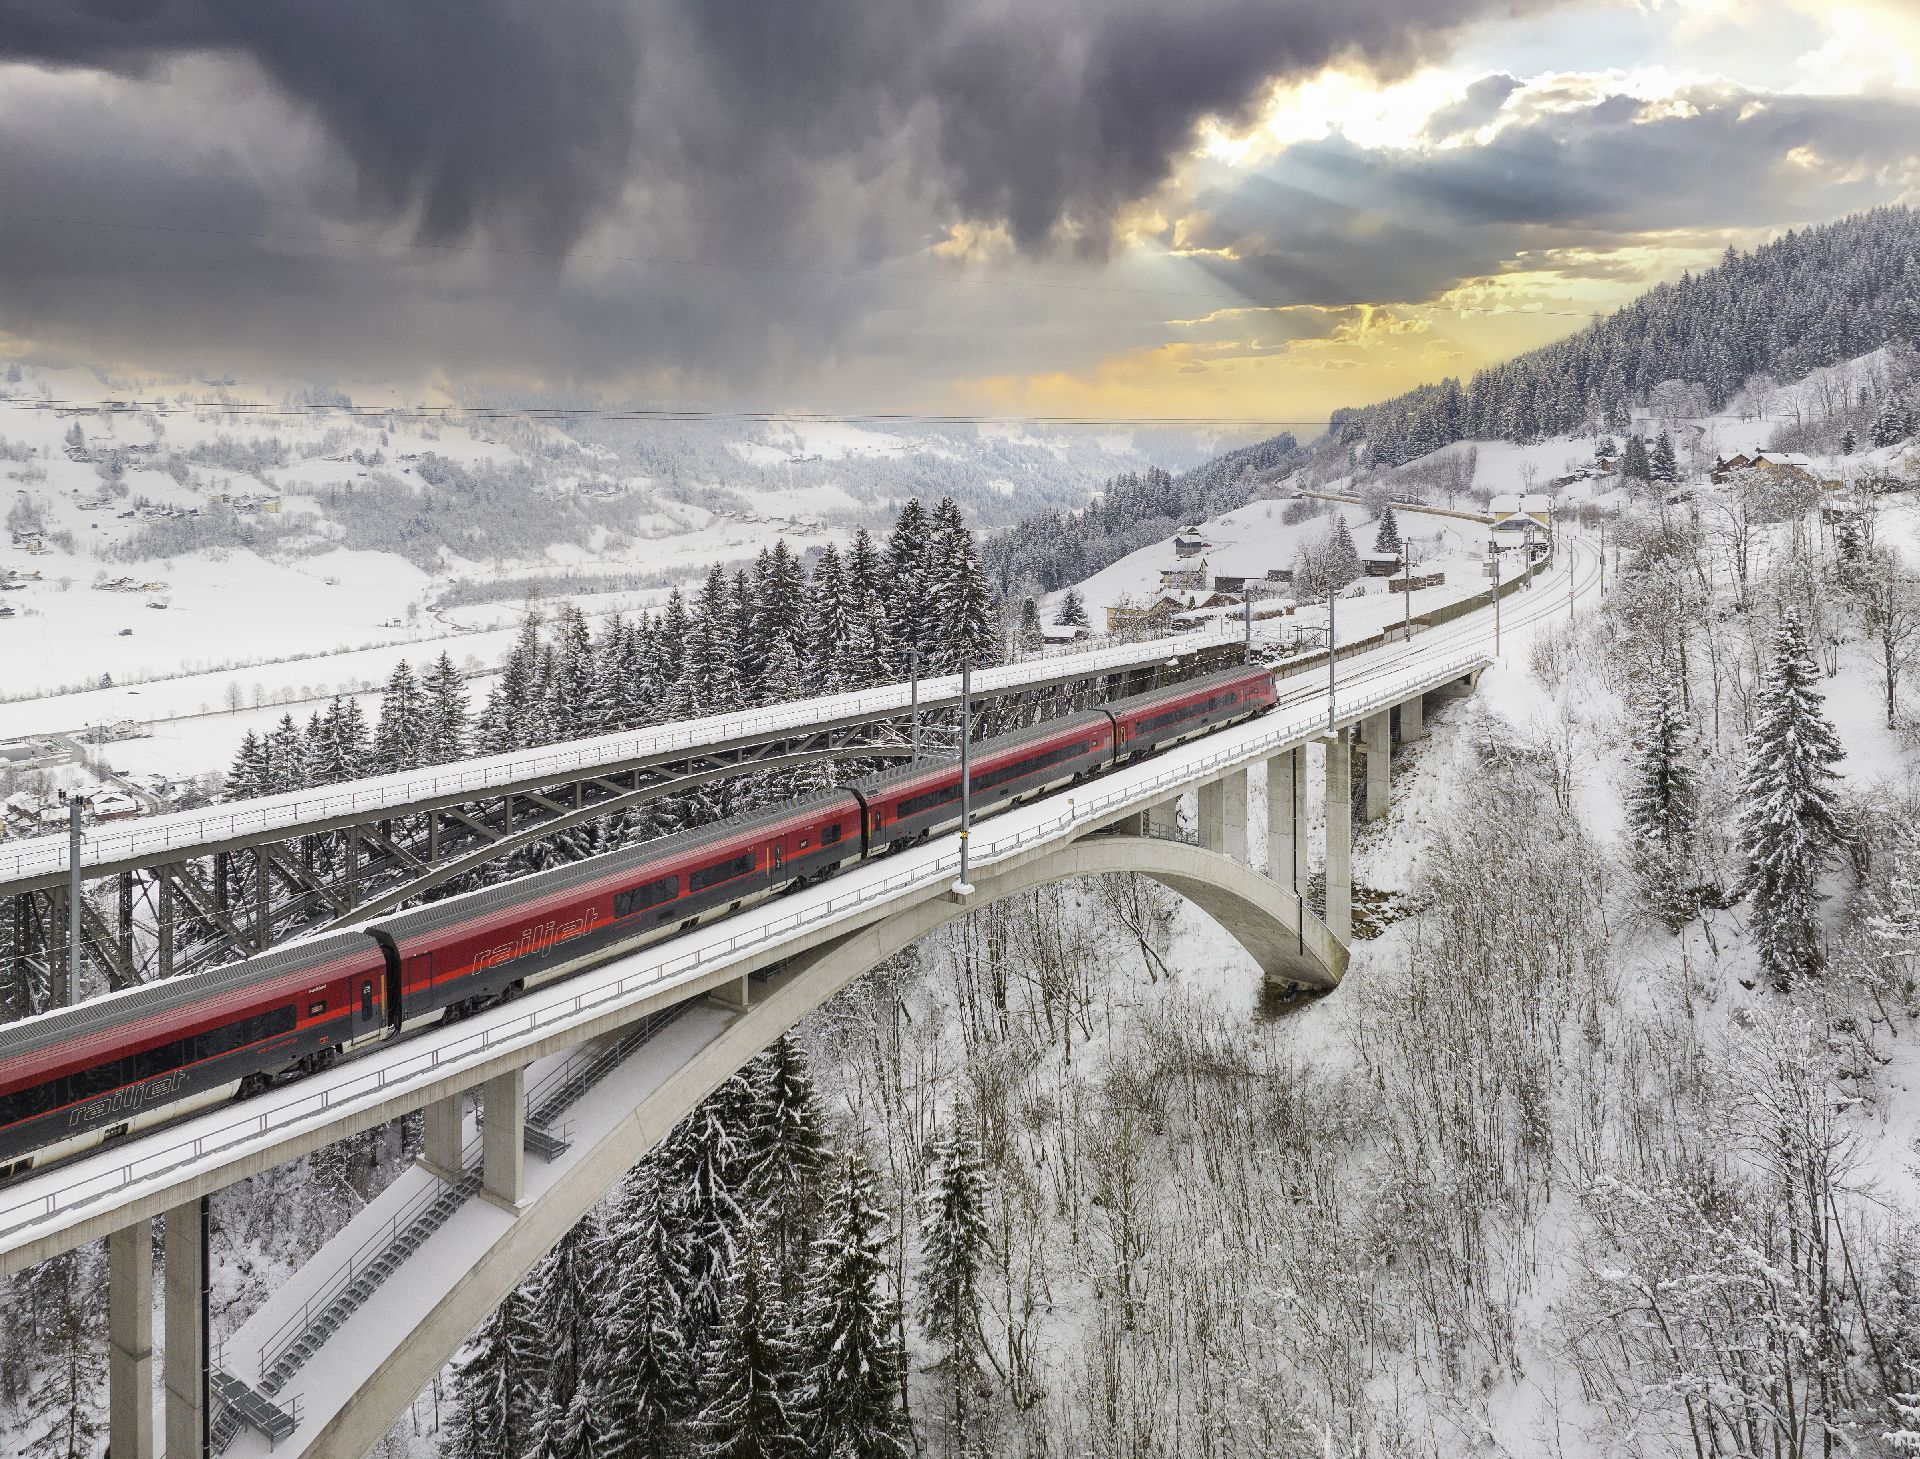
[1603, 557]
[1246, 604]
[1496, 601]
[913, 691]
[1406, 581]
[73, 900]
[965, 886]
[1332, 660]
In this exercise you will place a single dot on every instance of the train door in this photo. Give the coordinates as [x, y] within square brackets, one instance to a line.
[366, 1004]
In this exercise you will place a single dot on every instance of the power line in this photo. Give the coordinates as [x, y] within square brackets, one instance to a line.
[375, 245]
[663, 413]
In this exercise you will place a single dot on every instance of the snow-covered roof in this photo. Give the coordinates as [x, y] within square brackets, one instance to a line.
[1783, 458]
[1379, 557]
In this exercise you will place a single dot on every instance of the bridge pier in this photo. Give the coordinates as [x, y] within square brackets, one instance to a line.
[1164, 818]
[186, 1355]
[503, 1151]
[130, 1341]
[1376, 734]
[1286, 808]
[1223, 815]
[443, 1134]
[1339, 918]
[1413, 719]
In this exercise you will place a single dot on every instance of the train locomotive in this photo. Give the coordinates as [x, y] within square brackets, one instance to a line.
[74, 1078]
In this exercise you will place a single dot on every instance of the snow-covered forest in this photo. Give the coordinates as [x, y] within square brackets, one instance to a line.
[1808, 299]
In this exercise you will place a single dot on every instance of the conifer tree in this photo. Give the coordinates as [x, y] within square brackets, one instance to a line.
[866, 574]
[829, 619]
[1030, 635]
[446, 714]
[863, 658]
[1634, 465]
[1664, 466]
[751, 1381]
[567, 1312]
[649, 1376]
[252, 771]
[1662, 807]
[1073, 610]
[909, 588]
[706, 1162]
[498, 1400]
[1790, 821]
[60, 1421]
[962, 597]
[1889, 422]
[1849, 442]
[1605, 450]
[786, 1147]
[1342, 557]
[953, 1238]
[570, 680]
[1662, 804]
[400, 740]
[670, 639]
[1387, 539]
[784, 679]
[287, 757]
[852, 1344]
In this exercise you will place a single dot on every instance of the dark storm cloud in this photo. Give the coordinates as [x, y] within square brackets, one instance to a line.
[525, 110]
[1328, 221]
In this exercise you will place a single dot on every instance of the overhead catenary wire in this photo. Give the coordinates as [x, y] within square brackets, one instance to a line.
[661, 413]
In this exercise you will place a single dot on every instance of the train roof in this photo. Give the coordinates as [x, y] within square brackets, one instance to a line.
[1196, 684]
[928, 764]
[58, 1026]
[437, 915]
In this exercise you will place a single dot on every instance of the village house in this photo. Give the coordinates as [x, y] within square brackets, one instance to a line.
[1380, 564]
[1185, 578]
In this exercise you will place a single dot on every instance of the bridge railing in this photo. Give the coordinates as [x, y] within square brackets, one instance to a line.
[419, 1066]
[474, 779]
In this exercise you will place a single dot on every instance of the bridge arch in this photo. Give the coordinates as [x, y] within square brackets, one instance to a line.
[1260, 915]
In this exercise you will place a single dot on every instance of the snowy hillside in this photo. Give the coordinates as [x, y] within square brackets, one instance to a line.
[230, 537]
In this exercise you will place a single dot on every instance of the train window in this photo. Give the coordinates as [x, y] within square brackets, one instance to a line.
[930, 800]
[24, 1104]
[217, 1041]
[720, 871]
[648, 894]
[828, 834]
[158, 1060]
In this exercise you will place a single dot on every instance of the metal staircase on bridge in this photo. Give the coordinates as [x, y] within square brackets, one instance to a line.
[286, 1351]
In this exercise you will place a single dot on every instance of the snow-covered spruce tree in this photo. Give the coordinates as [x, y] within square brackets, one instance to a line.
[60, 1419]
[908, 590]
[401, 737]
[251, 773]
[1030, 635]
[1890, 422]
[1634, 465]
[1663, 464]
[649, 1377]
[829, 616]
[953, 1240]
[965, 631]
[1387, 539]
[1073, 610]
[570, 1317]
[704, 1164]
[287, 767]
[786, 1148]
[1849, 441]
[446, 713]
[851, 1345]
[1663, 806]
[497, 1395]
[863, 658]
[748, 1397]
[1789, 823]
[1342, 562]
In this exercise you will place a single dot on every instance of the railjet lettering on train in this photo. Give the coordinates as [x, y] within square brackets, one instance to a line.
[534, 939]
[128, 1101]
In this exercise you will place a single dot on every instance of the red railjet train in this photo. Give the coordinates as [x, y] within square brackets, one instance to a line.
[73, 1078]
